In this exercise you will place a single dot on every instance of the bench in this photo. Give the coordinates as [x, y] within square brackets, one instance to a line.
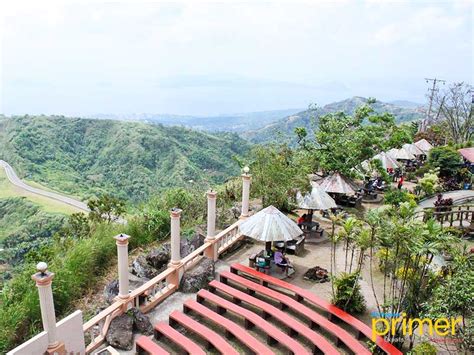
[231, 329]
[267, 310]
[274, 335]
[295, 246]
[164, 329]
[147, 346]
[316, 320]
[213, 339]
[302, 294]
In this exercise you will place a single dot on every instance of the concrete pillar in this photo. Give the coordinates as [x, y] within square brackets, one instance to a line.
[122, 256]
[43, 279]
[211, 252]
[211, 214]
[175, 236]
[246, 178]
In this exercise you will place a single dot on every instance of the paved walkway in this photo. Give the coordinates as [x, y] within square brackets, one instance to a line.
[455, 195]
[15, 180]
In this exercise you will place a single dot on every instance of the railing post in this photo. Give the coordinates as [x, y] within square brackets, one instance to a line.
[175, 262]
[175, 236]
[122, 256]
[43, 279]
[246, 178]
[211, 252]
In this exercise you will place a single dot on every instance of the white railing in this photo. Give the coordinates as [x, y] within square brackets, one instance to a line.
[156, 290]
[96, 328]
[227, 237]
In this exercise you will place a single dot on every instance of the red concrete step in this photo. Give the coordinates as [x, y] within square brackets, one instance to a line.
[230, 327]
[145, 345]
[213, 339]
[285, 301]
[164, 329]
[294, 326]
[302, 294]
[274, 335]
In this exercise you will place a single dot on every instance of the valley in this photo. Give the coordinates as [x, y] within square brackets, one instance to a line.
[131, 160]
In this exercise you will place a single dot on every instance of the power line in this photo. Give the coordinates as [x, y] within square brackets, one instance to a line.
[433, 90]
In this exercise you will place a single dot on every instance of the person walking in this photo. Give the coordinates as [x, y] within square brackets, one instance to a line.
[400, 183]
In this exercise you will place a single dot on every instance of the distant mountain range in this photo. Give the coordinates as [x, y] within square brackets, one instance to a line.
[404, 111]
[238, 122]
[270, 125]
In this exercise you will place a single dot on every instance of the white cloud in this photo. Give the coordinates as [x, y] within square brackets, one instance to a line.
[82, 47]
[422, 25]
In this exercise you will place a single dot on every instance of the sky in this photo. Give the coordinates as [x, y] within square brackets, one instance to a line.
[80, 58]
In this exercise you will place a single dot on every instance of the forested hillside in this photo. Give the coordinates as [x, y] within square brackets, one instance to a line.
[132, 160]
[284, 128]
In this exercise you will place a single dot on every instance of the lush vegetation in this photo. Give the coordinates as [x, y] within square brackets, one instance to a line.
[24, 226]
[403, 248]
[79, 252]
[146, 170]
[130, 160]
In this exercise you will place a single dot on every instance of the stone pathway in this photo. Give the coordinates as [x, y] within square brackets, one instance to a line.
[455, 195]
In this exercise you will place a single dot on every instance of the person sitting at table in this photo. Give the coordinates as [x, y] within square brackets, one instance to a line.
[301, 220]
[282, 262]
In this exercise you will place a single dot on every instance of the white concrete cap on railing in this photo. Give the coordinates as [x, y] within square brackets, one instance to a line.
[211, 214]
[246, 178]
[43, 279]
[175, 215]
[122, 257]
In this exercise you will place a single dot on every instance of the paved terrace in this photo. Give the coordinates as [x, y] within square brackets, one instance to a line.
[317, 252]
[159, 297]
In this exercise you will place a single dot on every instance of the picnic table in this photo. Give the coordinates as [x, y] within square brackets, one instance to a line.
[295, 246]
[309, 225]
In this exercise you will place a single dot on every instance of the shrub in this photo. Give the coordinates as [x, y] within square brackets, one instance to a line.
[424, 348]
[395, 197]
[348, 294]
[429, 183]
[446, 159]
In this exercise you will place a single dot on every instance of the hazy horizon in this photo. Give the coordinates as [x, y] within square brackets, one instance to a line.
[210, 58]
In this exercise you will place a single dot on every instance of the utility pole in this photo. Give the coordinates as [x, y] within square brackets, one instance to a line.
[432, 90]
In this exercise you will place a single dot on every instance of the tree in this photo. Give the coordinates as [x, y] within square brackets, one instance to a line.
[106, 208]
[452, 298]
[77, 226]
[344, 141]
[455, 106]
[410, 246]
[446, 159]
[437, 134]
[276, 173]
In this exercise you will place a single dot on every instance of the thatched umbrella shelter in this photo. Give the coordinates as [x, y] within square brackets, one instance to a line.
[338, 184]
[413, 149]
[270, 225]
[424, 145]
[317, 199]
[401, 154]
[387, 161]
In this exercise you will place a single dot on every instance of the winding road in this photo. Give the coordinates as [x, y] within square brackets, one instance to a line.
[15, 180]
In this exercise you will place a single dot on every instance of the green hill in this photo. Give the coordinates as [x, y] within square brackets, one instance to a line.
[85, 157]
[284, 128]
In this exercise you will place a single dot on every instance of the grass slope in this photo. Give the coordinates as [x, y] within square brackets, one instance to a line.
[8, 190]
[132, 160]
